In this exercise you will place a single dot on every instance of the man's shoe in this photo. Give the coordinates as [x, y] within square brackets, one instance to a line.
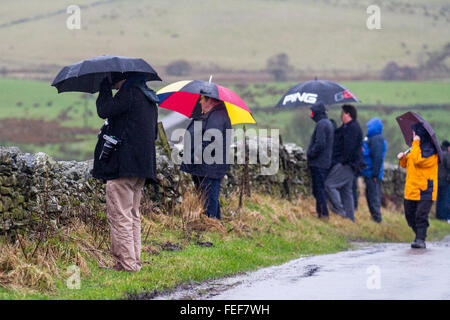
[418, 244]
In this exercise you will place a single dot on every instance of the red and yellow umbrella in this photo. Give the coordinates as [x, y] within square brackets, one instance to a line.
[182, 97]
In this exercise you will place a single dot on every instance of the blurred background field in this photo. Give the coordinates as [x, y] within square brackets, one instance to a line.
[65, 125]
[259, 48]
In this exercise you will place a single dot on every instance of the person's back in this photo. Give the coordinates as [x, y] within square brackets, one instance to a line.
[346, 160]
[125, 158]
[444, 165]
[132, 118]
[443, 197]
[319, 156]
[347, 147]
[374, 150]
[321, 144]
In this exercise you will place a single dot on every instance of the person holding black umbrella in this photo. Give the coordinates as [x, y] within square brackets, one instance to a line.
[125, 158]
[421, 163]
[319, 156]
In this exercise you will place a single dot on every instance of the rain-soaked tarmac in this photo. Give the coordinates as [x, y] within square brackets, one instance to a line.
[381, 271]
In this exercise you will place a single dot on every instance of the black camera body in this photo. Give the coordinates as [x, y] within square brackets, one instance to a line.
[111, 144]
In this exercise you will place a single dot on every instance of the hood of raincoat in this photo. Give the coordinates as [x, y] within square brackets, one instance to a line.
[374, 127]
[426, 144]
[318, 111]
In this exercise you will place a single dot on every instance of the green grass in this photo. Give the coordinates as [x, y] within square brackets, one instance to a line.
[38, 100]
[20, 97]
[278, 231]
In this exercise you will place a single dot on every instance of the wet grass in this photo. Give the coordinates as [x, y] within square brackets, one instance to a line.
[265, 232]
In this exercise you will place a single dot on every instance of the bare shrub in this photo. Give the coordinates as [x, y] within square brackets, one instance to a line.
[179, 68]
[392, 71]
[278, 66]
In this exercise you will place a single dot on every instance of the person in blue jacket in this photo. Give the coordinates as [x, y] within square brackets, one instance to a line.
[374, 152]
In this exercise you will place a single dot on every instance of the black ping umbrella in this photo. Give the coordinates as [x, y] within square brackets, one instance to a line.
[86, 75]
[406, 120]
[310, 92]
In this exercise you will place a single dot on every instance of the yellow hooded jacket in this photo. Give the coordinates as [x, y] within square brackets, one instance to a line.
[421, 174]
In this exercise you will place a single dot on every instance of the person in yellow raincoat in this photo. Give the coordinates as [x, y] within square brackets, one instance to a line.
[421, 165]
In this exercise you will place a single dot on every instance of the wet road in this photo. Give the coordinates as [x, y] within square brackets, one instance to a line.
[381, 271]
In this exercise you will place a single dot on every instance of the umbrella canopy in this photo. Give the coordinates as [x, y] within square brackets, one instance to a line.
[182, 97]
[86, 75]
[405, 121]
[311, 92]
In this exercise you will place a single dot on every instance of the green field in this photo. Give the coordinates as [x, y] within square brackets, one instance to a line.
[25, 99]
[390, 93]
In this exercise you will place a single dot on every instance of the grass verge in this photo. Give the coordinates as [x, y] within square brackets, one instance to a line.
[177, 249]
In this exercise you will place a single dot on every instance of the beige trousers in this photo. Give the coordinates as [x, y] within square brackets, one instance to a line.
[123, 198]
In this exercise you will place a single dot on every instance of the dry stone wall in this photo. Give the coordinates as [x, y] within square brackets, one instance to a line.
[34, 184]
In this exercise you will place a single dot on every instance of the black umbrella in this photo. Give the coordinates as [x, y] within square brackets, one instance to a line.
[405, 121]
[86, 75]
[310, 92]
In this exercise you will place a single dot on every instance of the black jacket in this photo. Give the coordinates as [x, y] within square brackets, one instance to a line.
[347, 146]
[444, 168]
[321, 144]
[218, 119]
[133, 119]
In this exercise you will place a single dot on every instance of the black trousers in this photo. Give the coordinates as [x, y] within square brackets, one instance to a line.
[210, 189]
[318, 176]
[373, 197]
[416, 213]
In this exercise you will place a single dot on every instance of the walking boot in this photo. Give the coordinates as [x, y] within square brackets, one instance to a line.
[419, 244]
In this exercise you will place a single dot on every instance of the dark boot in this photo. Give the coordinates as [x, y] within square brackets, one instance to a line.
[418, 244]
[421, 233]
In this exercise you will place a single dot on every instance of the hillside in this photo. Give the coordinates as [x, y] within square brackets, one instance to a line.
[319, 37]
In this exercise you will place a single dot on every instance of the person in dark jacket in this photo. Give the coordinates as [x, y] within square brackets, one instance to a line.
[125, 158]
[374, 152]
[443, 196]
[345, 163]
[204, 161]
[319, 156]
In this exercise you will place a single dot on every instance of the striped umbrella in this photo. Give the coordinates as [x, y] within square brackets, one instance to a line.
[182, 97]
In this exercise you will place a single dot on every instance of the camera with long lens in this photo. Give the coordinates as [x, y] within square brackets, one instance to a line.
[111, 144]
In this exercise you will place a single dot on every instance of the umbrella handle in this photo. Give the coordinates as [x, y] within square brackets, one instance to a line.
[407, 151]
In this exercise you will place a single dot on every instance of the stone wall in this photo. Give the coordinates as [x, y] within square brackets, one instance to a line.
[34, 184]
